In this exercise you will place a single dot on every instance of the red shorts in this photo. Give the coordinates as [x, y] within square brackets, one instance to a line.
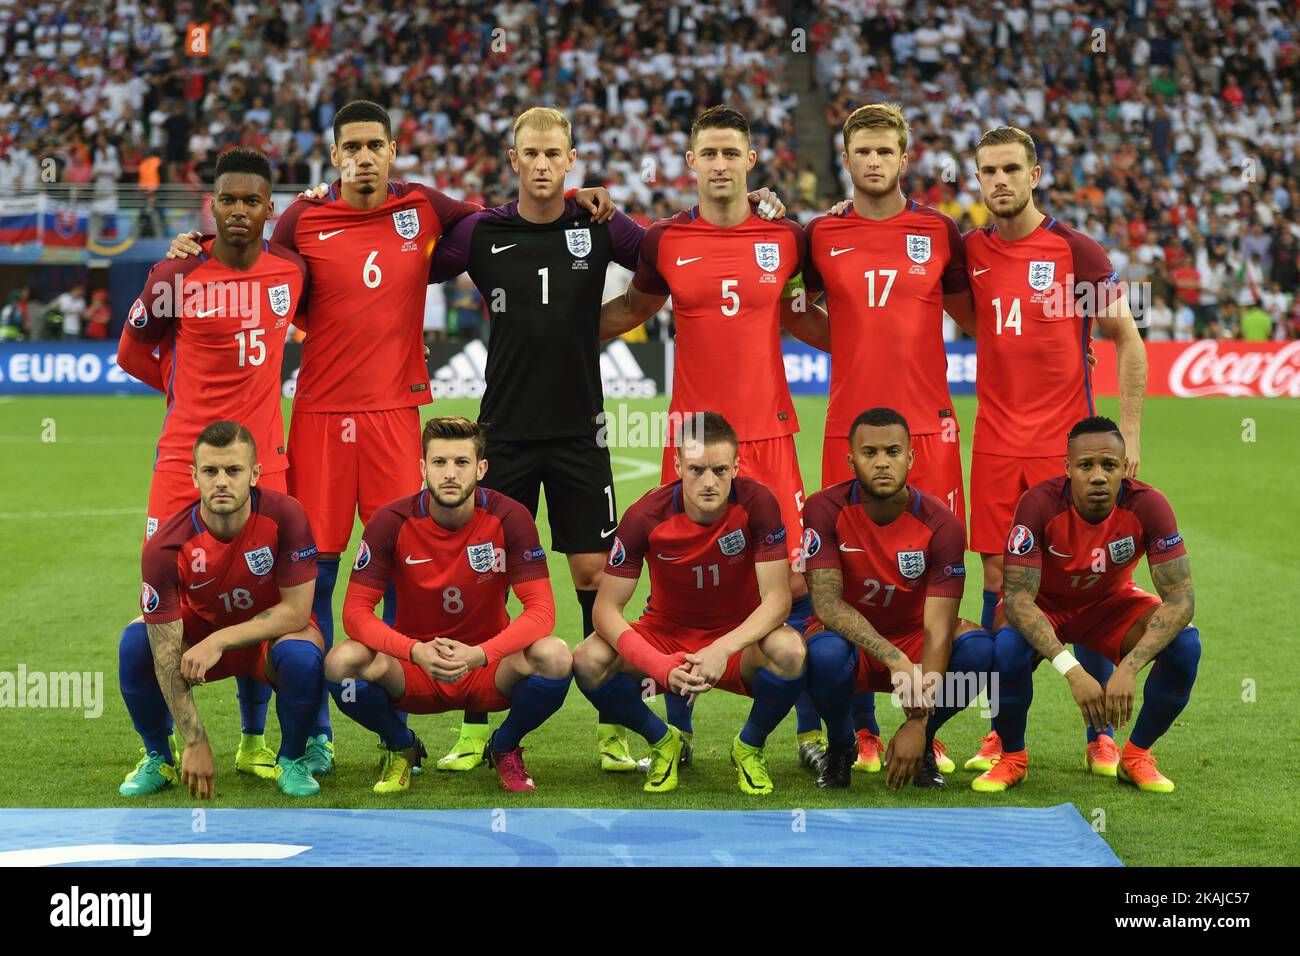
[1101, 626]
[936, 469]
[871, 674]
[170, 491]
[668, 637]
[773, 462]
[477, 690]
[345, 463]
[239, 662]
[996, 484]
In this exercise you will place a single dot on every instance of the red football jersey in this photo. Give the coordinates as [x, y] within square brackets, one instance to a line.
[220, 335]
[1034, 303]
[701, 575]
[364, 350]
[1081, 562]
[726, 288]
[450, 583]
[889, 570]
[190, 573]
[884, 283]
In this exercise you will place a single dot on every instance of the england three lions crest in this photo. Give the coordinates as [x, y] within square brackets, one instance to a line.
[918, 248]
[260, 561]
[278, 296]
[911, 564]
[481, 556]
[1041, 275]
[768, 255]
[733, 542]
[1123, 550]
[578, 241]
[407, 223]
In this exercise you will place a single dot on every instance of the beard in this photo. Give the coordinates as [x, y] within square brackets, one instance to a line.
[365, 188]
[226, 507]
[1014, 211]
[874, 491]
[454, 501]
[883, 189]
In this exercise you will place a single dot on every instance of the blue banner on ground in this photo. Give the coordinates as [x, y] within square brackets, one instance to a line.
[985, 836]
[64, 368]
[808, 370]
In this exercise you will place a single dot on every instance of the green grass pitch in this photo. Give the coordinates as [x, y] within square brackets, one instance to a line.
[73, 512]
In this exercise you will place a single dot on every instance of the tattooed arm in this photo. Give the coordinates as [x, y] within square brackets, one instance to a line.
[1173, 581]
[293, 613]
[826, 587]
[625, 312]
[1019, 591]
[166, 642]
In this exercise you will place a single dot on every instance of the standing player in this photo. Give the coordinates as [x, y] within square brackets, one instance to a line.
[719, 574]
[1069, 577]
[1038, 286]
[217, 324]
[890, 268]
[355, 436]
[886, 573]
[540, 263]
[228, 581]
[726, 270]
[452, 551]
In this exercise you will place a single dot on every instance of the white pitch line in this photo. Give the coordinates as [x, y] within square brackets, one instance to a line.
[115, 852]
[639, 468]
[85, 513]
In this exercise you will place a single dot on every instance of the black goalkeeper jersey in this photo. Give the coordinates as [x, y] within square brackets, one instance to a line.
[542, 284]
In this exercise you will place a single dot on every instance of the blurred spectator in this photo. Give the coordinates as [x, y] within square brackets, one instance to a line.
[435, 314]
[1256, 324]
[71, 305]
[98, 315]
[465, 309]
[1159, 326]
[13, 318]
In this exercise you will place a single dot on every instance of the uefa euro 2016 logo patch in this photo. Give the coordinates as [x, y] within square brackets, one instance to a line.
[138, 316]
[148, 598]
[617, 553]
[918, 248]
[1021, 540]
[407, 223]
[278, 296]
[578, 241]
[260, 561]
[812, 542]
[733, 542]
[363, 556]
[911, 564]
[481, 556]
[1122, 550]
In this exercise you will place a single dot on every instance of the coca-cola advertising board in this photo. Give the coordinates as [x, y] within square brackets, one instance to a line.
[1210, 367]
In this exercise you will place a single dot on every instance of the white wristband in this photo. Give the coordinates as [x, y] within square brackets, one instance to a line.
[1063, 662]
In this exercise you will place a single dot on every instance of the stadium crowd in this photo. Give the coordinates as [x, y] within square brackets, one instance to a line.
[1166, 129]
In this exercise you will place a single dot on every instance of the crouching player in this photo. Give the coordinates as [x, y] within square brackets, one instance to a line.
[228, 585]
[884, 566]
[452, 551]
[719, 580]
[1069, 579]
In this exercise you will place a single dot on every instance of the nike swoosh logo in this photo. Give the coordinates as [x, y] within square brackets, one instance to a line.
[835, 252]
[669, 557]
[980, 272]
[411, 560]
[322, 236]
[204, 315]
[606, 534]
[495, 249]
[687, 262]
[195, 587]
[845, 547]
[1058, 553]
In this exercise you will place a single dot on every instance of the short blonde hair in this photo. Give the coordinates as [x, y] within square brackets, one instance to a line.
[1006, 136]
[878, 116]
[542, 119]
